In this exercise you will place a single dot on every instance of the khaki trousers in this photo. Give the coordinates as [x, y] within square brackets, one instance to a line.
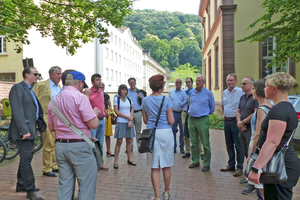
[49, 159]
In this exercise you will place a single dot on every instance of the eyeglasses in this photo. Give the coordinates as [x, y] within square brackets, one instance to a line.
[245, 83]
[36, 74]
[177, 82]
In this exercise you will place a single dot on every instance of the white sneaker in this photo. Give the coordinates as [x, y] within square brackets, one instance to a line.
[166, 195]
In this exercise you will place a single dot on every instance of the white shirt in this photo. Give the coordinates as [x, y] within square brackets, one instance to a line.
[231, 100]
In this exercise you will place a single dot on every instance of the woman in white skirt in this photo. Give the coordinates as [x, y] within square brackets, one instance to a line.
[163, 155]
[124, 129]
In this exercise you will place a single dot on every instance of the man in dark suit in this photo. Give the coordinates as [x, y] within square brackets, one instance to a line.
[25, 110]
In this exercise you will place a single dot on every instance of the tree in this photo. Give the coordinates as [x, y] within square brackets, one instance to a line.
[285, 31]
[184, 71]
[68, 22]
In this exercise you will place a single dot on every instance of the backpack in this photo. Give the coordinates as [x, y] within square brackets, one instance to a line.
[128, 100]
[144, 93]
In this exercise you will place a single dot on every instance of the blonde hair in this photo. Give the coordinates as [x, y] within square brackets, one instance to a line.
[281, 80]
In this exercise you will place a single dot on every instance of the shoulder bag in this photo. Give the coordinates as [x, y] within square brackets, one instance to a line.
[148, 135]
[274, 172]
[95, 145]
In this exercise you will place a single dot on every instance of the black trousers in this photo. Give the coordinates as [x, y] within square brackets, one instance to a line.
[25, 174]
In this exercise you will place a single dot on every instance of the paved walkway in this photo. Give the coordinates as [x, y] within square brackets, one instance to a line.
[129, 182]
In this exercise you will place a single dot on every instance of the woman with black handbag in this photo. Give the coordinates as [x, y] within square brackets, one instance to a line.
[162, 155]
[277, 128]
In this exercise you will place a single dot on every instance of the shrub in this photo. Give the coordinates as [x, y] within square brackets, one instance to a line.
[216, 121]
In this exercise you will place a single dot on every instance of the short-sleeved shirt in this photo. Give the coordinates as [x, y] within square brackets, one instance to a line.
[151, 105]
[76, 107]
[97, 100]
[283, 111]
[106, 99]
[124, 108]
[231, 100]
[247, 106]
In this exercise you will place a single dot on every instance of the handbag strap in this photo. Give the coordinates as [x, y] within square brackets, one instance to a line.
[161, 105]
[288, 142]
[71, 126]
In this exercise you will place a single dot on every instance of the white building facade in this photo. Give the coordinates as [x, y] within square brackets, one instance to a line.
[117, 61]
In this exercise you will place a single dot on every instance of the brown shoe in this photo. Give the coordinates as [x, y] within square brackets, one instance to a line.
[227, 168]
[104, 168]
[238, 172]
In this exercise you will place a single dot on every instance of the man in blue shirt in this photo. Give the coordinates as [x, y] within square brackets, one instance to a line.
[177, 110]
[137, 98]
[201, 105]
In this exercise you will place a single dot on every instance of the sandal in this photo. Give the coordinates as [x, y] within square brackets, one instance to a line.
[110, 155]
[166, 195]
[116, 166]
[131, 163]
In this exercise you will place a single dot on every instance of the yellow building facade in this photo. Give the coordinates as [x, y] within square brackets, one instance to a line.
[224, 22]
[11, 65]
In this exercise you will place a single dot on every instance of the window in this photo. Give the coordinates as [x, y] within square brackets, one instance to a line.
[2, 45]
[124, 77]
[116, 57]
[8, 77]
[111, 74]
[116, 40]
[120, 59]
[107, 53]
[216, 44]
[116, 75]
[111, 37]
[127, 48]
[120, 77]
[120, 43]
[124, 46]
[130, 65]
[124, 61]
[208, 15]
[107, 74]
[216, 9]
[209, 78]
[267, 46]
[112, 55]
[127, 63]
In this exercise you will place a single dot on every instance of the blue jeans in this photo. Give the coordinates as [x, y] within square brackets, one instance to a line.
[233, 144]
[99, 132]
[178, 121]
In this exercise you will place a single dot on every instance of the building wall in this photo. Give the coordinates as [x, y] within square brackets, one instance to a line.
[114, 69]
[11, 62]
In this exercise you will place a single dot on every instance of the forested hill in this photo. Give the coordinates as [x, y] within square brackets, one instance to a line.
[173, 38]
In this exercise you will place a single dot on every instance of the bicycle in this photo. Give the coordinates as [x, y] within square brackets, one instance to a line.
[12, 149]
[2, 151]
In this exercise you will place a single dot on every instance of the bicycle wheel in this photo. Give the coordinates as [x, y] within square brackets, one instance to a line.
[38, 141]
[2, 151]
[12, 149]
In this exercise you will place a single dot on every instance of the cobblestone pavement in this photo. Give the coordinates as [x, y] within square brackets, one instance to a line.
[134, 182]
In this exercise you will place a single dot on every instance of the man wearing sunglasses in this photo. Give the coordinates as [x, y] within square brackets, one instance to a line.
[25, 110]
[45, 91]
[246, 109]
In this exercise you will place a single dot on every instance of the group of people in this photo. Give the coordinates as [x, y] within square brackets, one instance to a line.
[258, 118]
[250, 121]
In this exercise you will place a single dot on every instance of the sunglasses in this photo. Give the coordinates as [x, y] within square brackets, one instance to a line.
[245, 83]
[37, 74]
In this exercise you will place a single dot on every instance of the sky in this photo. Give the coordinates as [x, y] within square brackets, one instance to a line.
[184, 6]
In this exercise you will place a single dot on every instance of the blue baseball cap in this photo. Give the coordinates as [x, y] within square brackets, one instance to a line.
[79, 76]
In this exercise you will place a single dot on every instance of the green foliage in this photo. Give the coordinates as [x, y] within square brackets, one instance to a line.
[68, 22]
[285, 30]
[216, 121]
[172, 38]
[184, 71]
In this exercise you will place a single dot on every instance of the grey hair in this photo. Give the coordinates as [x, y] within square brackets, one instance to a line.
[201, 75]
[52, 69]
[251, 79]
[232, 74]
[70, 80]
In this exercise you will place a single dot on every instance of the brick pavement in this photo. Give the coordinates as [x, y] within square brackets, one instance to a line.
[129, 182]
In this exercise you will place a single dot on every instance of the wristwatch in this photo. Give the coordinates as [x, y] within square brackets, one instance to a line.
[243, 121]
[259, 171]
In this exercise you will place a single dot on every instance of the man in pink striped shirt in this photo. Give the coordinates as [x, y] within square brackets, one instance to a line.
[74, 156]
